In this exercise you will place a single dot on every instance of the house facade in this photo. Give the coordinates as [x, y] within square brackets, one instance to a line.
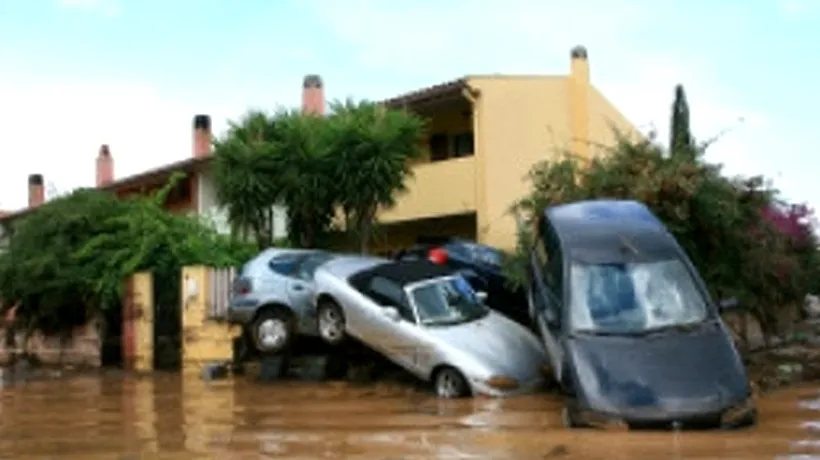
[485, 133]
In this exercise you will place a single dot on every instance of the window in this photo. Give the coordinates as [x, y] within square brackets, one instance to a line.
[387, 293]
[181, 192]
[552, 262]
[463, 144]
[307, 267]
[285, 264]
[447, 301]
[439, 147]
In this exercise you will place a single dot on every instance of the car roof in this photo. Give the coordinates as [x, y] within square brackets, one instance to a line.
[600, 230]
[343, 266]
[402, 272]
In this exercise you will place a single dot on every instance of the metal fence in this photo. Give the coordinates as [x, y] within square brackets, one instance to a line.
[220, 283]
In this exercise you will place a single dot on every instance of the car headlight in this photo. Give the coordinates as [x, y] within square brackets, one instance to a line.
[502, 382]
[737, 412]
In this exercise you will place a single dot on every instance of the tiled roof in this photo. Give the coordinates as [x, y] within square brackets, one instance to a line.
[428, 93]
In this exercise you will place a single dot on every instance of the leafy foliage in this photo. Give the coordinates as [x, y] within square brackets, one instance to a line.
[68, 259]
[742, 239]
[370, 147]
[354, 161]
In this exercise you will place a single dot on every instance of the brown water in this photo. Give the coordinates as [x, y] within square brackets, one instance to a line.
[182, 417]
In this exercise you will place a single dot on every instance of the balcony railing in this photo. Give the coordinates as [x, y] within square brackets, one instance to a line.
[437, 189]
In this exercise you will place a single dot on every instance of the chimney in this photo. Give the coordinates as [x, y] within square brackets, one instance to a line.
[36, 190]
[313, 95]
[105, 166]
[579, 101]
[202, 136]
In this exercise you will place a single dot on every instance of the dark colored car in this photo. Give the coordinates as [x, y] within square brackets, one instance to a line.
[632, 334]
[481, 265]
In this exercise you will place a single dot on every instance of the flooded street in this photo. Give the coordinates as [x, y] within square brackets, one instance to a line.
[182, 417]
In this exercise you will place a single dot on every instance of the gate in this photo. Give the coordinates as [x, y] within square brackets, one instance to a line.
[167, 321]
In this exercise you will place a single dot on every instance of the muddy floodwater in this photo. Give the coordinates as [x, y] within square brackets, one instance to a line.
[181, 417]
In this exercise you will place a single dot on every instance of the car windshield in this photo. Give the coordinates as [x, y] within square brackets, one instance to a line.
[446, 301]
[625, 298]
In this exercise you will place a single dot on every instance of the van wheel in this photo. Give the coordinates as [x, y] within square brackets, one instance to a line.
[271, 331]
[450, 384]
[331, 321]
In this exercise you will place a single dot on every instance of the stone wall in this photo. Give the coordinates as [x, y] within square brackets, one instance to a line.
[83, 348]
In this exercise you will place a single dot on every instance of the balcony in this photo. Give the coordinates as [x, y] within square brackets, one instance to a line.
[441, 188]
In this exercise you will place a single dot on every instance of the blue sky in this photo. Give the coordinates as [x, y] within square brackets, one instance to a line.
[75, 74]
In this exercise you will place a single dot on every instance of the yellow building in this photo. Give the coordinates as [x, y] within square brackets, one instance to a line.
[485, 134]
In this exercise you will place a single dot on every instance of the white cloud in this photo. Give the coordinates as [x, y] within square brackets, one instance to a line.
[55, 128]
[634, 67]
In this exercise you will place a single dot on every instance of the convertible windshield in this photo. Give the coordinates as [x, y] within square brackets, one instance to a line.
[626, 298]
[446, 301]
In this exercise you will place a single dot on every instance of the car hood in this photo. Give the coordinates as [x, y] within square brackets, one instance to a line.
[668, 374]
[499, 344]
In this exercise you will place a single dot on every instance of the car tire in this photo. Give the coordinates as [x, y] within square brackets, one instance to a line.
[331, 322]
[449, 383]
[271, 332]
[749, 420]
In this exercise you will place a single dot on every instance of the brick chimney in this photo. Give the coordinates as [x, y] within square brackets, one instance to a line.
[202, 136]
[313, 95]
[579, 101]
[105, 166]
[36, 190]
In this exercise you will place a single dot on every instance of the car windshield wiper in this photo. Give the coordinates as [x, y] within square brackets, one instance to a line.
[606, 333]
[680, 327]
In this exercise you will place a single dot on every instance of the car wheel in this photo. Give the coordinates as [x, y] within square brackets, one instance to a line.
[449, 384]
[271, 332]
[331, 322]
[748, 420]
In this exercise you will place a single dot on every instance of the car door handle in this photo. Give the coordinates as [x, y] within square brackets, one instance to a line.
[298, 287]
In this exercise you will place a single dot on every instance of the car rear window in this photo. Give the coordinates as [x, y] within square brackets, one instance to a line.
[284, 264]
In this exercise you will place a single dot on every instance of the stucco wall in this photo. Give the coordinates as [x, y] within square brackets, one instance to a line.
[520, 122]
[209, 208]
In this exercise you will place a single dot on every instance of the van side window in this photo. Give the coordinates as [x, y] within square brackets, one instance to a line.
[548, 254]
[552, 263]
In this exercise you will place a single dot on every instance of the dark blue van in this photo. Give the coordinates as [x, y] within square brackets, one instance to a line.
[633, 336]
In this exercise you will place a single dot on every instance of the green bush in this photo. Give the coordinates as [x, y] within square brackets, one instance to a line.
[68, 260]
[720, 221]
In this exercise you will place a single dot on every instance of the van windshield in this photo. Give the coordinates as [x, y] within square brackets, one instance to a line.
[627, 298]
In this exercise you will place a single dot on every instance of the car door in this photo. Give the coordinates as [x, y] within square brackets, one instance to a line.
[395, 338]
[545, 296]
[302, 291]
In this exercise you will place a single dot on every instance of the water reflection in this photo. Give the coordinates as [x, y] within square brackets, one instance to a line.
[180, 416]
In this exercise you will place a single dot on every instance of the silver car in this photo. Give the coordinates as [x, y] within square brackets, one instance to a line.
[273, 297]
[428, 320]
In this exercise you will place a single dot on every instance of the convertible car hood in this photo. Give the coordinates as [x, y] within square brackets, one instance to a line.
[497, 342]
[668, 374]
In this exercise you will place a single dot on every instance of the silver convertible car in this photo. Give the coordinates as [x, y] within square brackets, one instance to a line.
[428, 320]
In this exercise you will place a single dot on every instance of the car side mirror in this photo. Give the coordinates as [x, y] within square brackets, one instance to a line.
[729, 304]
[481, 296]
[391, 313]
[550, 316]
